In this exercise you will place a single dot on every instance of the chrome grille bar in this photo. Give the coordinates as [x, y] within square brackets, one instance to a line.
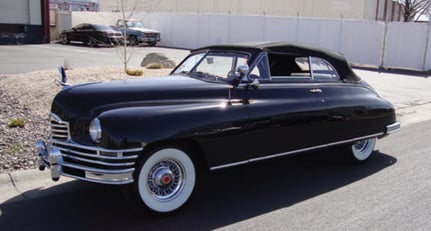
[91, 163]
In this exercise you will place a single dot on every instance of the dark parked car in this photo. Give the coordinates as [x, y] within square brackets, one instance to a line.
[92, 35]
[222, 106]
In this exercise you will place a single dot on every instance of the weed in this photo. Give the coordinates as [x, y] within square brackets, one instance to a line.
[134, 72]
[14, 123]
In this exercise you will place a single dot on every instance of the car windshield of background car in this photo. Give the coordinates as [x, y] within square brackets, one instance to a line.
[135, 24]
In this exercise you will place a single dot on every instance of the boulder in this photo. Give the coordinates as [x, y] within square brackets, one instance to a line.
[158, 58]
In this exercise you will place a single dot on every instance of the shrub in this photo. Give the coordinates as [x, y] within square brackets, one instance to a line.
[16, 123]
[134, 72]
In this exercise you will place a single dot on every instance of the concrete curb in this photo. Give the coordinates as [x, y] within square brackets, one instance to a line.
[28, 184]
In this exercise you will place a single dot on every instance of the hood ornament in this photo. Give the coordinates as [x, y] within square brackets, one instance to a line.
[63, 78]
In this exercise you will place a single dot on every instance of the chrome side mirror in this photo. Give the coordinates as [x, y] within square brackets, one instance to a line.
[243, 69]
[238, 75]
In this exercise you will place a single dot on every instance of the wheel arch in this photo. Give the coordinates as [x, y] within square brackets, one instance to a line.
[188, 145]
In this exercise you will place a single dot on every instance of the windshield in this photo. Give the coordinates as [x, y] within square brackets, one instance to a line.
[135, 24]
[212, 65]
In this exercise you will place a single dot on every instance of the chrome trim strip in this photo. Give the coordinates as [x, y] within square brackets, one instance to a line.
[100, 181]
[98, 155]
[392, 128]
[295, 151]
[98, 162]
[97, 170]
[94, 148]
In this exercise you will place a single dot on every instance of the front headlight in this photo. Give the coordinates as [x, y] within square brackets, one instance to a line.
[95, 130]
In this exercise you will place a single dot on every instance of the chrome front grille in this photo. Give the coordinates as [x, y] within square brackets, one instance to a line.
[91, 163]
[59, 128]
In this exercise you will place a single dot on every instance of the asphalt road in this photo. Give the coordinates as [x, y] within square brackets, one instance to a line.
[27, 58]
[312, 191]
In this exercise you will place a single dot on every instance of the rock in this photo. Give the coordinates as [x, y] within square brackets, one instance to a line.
[158, 58]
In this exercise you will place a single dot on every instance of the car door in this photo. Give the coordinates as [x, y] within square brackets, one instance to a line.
[285, 117]
[81, 33]
[78, 33]
[287, 112]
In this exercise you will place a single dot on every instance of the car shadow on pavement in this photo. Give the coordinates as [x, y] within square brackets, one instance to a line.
[225, 197]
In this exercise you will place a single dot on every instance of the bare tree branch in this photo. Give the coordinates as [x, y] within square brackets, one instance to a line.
[413, 9]
[128, 9]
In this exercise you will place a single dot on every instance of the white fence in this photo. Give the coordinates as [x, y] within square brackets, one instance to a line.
[391, 44]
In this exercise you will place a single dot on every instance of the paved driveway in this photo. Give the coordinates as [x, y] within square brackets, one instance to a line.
[27, 58]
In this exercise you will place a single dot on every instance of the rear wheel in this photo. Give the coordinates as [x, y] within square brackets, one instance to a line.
[361, 150]
[164, 181]
[133, 40]
[92, 42]
[65, 39]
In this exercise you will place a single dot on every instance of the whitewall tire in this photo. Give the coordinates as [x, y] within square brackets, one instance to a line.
[362, 149]
[165, 180]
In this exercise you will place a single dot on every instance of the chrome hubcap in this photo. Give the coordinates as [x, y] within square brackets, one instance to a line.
[163, 177]
[165, 180]
[361, 146]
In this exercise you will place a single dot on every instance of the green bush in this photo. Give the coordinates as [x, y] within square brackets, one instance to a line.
[134, 72]
[20, 123]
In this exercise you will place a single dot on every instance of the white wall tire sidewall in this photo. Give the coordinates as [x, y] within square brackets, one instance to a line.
[186, 191]
[364, 154]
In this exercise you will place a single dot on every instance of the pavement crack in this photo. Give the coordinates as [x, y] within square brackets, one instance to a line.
[11, 180]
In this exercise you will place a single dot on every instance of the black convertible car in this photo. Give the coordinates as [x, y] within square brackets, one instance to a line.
[92, 35]
[222, 106]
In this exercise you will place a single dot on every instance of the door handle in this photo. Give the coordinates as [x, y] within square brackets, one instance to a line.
[316, 90]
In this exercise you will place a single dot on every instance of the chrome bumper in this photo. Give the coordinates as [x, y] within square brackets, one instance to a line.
[392, 128]
[50, 159]
[76, 161]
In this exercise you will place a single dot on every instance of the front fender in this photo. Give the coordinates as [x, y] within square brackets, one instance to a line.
[138, 126]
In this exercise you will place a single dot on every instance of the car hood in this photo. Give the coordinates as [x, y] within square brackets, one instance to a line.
[145, 30]
[90, 99]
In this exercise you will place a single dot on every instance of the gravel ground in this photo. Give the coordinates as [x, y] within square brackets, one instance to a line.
[28, 97]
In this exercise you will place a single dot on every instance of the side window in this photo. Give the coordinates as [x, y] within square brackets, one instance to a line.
[79, 27]
[322, 70]
[287, 67]
[260, 70]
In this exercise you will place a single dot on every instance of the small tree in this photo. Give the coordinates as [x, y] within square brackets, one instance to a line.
[413, 9]
[127, 9]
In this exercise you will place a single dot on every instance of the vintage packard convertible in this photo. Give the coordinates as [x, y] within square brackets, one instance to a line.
[222, 106]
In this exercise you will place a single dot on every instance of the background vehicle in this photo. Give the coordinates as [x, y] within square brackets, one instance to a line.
[222, 106]
[136, 33]
[92, 35]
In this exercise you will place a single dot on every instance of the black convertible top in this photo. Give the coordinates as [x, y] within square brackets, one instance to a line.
[335, 58]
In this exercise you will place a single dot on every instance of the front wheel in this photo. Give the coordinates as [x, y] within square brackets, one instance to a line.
[133, 40]
[165, 180]
[92, 42]
[361, 150]
[151, 44]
